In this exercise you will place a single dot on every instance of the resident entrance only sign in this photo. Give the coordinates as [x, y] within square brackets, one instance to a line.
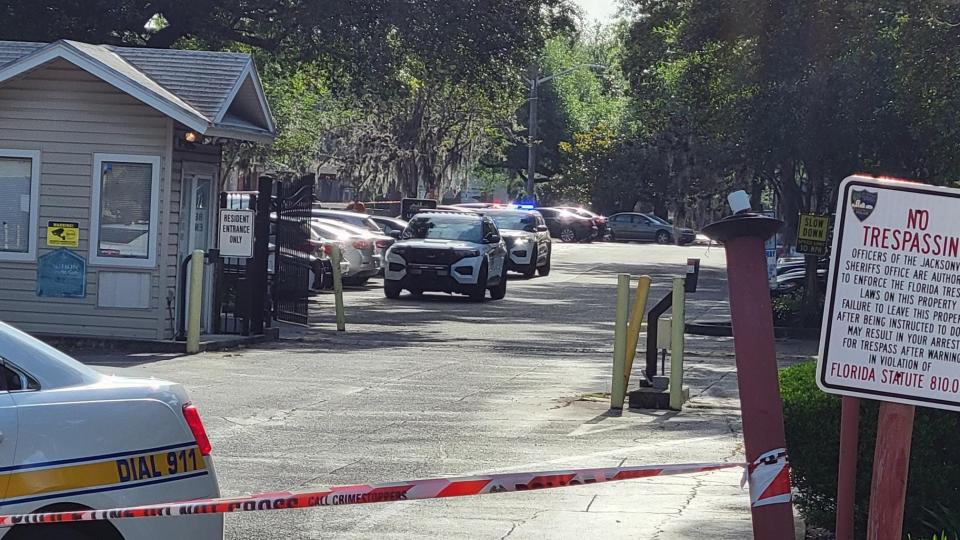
[891, 328]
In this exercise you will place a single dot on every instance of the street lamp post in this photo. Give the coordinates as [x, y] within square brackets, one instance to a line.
[535, 81]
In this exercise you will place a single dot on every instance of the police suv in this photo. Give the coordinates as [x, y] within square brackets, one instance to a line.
[527, 238]
[453, 252]
[72, 438]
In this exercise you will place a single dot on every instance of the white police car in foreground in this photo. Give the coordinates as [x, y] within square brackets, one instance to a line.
[72, 438]
[449, 252]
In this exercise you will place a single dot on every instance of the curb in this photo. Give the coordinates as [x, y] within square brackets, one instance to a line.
[222, 343]
[723, 329]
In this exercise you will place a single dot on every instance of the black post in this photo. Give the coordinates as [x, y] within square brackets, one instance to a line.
[257, 265]
[182, 301]
[653, 321]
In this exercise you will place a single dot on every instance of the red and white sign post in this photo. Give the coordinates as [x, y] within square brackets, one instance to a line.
[891, 328]
[743, 237]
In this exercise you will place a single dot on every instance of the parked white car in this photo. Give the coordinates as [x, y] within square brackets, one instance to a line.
[72, 438]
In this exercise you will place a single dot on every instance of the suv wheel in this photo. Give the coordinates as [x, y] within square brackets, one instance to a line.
[479, 292]
[391, 289]
[498, 292]
[531, 270]
[663, 237]
[545, 269]
[567, 235]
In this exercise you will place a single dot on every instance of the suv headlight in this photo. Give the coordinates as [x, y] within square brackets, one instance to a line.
[398, 250]
[463, 253]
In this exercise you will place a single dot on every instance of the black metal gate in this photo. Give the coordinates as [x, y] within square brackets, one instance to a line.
[294, 259]
[241, 284]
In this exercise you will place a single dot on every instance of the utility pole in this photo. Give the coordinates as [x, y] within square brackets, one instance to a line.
[535, 81]
[532, 135]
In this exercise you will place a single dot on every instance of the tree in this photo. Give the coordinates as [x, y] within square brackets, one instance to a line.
[362, 42]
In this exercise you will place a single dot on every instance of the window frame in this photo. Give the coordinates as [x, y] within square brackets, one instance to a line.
[95, 211]
[33, 241]
[25, 378]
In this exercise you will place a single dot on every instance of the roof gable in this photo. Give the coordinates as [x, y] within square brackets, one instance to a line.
[214, 93]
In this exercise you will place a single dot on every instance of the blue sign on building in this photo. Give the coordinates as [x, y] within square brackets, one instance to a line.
[61, 274]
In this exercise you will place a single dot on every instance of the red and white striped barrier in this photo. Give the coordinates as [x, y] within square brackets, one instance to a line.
[433, 488]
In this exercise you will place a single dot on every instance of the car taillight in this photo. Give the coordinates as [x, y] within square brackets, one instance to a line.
[383, 244]
[192, 416]
[328, 249]
[360, 244]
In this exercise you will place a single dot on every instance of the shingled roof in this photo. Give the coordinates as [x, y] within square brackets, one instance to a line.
[213, 93]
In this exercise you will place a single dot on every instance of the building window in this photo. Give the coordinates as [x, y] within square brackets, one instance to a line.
[19, 204]
[125, 210]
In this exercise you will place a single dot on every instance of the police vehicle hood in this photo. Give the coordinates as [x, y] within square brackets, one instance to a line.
[510, 236]
[430, 243]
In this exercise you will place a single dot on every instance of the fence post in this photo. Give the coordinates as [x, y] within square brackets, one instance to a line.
[257, 266]
[196, 302]
[619, 387]
[335, 257]
[678, 326]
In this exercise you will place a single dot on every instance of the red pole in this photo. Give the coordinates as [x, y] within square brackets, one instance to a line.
[891, 460]
[847, 477]
[743, 236]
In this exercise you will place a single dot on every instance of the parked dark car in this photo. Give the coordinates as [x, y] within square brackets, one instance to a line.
[785, 266]
[603, 232]
[796, 280]
[647, 228]
[567, 226]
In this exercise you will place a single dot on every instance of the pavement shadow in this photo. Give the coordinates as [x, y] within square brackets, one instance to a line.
[571, 309]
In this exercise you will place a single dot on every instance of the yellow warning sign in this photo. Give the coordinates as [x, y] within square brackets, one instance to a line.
[63, 234]
[812, 234]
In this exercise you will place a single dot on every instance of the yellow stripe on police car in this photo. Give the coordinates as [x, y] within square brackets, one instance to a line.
[133, 468]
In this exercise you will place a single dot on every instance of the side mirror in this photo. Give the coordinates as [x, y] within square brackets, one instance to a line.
[493, 238]
[542, 228]
[395, 234]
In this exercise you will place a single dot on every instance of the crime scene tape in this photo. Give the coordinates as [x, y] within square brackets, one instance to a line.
[433, 488]
[769, 477]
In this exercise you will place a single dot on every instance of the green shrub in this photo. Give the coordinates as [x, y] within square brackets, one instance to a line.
[812, 421]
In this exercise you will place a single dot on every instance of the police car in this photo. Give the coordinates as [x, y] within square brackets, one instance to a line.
[454, 252]
[72, 438]
[527, 238]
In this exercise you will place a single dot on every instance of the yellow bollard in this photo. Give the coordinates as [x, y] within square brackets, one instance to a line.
[619, 388]
[335, 258]
[676, 346]
[196, 302]
[636, 321]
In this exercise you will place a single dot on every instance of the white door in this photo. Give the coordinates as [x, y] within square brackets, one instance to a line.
[11, 380]
[199, 212]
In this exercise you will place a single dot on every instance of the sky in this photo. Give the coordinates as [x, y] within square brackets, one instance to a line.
[599, 10]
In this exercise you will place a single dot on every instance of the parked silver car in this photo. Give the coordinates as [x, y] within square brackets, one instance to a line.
[647, 228]
[358, 249]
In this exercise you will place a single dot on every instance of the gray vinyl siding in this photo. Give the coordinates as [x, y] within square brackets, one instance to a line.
[69, 115]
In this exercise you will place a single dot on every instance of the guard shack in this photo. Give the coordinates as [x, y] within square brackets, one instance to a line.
[110, 161]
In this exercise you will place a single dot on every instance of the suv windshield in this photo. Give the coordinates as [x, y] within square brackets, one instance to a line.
[516, 222]
[444, 228]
